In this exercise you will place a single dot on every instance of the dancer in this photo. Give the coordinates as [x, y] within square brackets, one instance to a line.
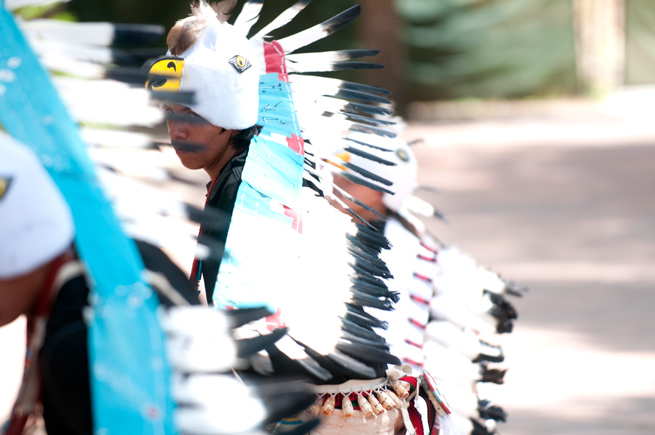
[213, 133]
[447, 305]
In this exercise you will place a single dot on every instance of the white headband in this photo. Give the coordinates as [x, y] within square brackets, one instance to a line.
[403, 175]
[222, 68]
[36, 225]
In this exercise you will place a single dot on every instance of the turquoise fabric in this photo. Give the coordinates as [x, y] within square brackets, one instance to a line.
[263, 240]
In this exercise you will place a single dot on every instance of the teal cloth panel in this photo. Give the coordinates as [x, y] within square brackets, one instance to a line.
[130, 372]
[262, 242]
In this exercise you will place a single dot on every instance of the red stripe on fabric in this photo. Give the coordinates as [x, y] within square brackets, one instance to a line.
[431, 260]
[423, 277]
[419, 299]
[275, 60]
[417, 323]
[410, 342]
[297, 218]
[275, 321]
[412, 362]
[428, 248]
[297, 144]
[415, 418]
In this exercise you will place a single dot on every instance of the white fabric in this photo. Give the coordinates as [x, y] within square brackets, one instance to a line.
[403, 261]
[388, 423]
[224, 96]
[403, 175]
[36, 224]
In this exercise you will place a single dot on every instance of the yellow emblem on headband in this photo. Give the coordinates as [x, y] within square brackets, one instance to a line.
[165, 75]
[4, 186]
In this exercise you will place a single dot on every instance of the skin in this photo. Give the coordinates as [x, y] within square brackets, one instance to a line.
[19, 295]
[370, 197]
[217, 150]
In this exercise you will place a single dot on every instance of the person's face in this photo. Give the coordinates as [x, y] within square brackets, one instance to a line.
[368, 196]
[197, 143]
[19, 295]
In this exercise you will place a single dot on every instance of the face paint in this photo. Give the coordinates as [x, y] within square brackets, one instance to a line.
[165, 75]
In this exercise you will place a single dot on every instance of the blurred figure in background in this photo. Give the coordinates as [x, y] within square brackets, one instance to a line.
[450, 310]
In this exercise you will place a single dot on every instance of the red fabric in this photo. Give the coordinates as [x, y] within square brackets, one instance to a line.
[422, 277]
[297, 144]
[275, 60]
[432, 259]
[297, 219]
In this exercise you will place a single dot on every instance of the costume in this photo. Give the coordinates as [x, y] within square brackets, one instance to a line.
[450, 311]
[64, 357]
[221, 195]
[287, 247]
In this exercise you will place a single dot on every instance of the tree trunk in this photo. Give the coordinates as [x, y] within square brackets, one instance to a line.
[379, 27]
[600, 43]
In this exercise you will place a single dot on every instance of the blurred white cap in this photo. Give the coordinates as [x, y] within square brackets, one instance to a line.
[403, 175]
[221, 68]
[36, 225]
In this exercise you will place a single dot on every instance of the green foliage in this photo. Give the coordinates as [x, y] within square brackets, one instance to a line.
[640, 50]
[52, 10]
[489, 48]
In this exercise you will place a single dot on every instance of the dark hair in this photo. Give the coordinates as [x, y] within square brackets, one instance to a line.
[242, 138]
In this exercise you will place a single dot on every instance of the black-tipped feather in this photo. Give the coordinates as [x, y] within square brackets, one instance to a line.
[373, 157]
[371, 301]
[372, 238]
[248, 15]
[363, 352]
[352, 364]
[341, 55]
[249, 346]
[313, 67]
[371, 146]
[320, 31]
[283, 19]
[238, 318]
[352, 94]
[357, 315]
[370, 109]
[364, 128]
[366, 183]
[367, 174]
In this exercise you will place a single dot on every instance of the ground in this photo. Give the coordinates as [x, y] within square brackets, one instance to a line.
[564, 206]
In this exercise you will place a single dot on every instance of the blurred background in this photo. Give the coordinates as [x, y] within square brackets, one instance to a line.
[539, 147]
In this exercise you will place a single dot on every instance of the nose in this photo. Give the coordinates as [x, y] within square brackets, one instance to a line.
[177, 130]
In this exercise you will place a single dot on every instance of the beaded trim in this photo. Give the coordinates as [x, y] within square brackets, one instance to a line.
[369, 397]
